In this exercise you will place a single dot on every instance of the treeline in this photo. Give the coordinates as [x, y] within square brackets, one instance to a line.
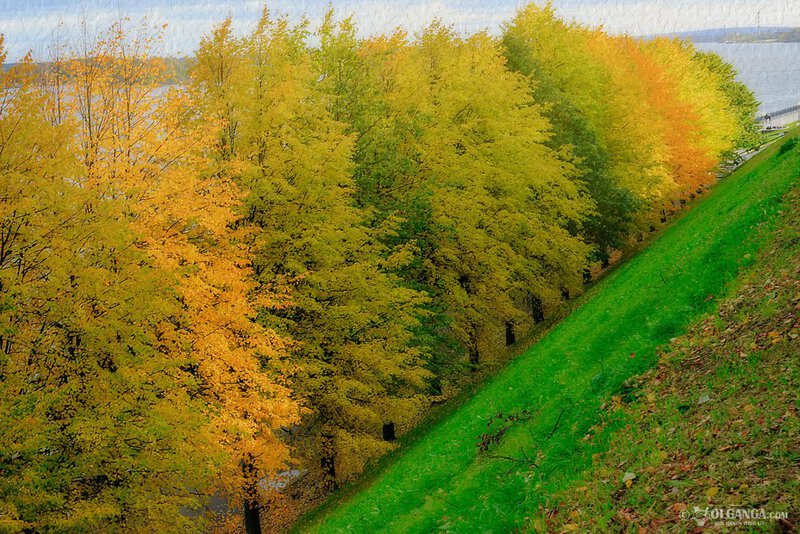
[287, 260]
[780, 35]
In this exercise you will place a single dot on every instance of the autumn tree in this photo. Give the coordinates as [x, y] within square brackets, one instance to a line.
[355, 365]
[739, 98]
[450, 144]
[594, 106]
[296, 252]
[148, 146]
[102, 428]
[220, 68]
[700, 126]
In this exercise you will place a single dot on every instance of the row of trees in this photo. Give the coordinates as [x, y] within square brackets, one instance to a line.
[288, 258]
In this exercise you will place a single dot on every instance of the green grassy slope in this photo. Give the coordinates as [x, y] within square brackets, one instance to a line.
[550, 397]
[716, 424]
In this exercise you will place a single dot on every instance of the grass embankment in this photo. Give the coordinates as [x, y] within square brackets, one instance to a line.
[716, 424]
[495, 462]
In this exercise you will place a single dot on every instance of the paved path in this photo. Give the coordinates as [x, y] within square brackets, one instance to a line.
[780, 118]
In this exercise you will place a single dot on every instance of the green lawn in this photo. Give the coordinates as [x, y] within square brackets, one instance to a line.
[442, 481]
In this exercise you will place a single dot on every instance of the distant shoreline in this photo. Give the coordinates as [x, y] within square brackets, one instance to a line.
[751, 35]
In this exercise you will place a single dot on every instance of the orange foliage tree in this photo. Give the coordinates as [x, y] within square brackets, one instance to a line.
[146, 145]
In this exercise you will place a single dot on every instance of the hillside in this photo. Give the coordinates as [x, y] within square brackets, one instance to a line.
[528, 434]
[715, 425]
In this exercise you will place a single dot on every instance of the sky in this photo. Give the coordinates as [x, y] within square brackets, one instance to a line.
[31, 25]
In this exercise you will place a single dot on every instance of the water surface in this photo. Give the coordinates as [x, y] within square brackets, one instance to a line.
[771, 70]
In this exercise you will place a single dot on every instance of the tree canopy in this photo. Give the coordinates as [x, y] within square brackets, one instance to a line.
[285, 262]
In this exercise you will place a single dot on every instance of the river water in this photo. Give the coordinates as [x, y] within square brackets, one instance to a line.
[771, 70]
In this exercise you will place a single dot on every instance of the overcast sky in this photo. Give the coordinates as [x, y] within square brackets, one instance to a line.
[31, 24]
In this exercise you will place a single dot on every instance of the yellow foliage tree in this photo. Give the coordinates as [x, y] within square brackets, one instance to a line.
[147, 146]
[102, 429]
[355, 366]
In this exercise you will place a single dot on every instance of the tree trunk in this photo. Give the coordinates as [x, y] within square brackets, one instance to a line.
[252, 509]
[565, 293]
[511, 337]
[474, 356]
[252, 517]
[537, 309]
[388, 431]
[436, 386]
[472, 347]
[328, 464]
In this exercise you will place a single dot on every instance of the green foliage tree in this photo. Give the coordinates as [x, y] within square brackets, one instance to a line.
[449, 143]
[586, 106]
[503, 206]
